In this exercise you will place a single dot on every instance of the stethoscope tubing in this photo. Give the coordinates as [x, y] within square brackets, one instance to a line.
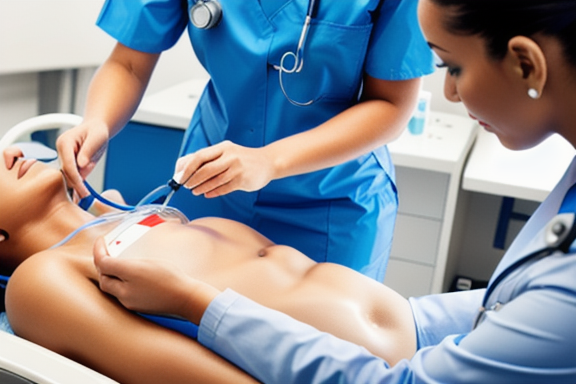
[297, 56]
[539, 254]
[87, 201]
[563, 231]
[160, 195]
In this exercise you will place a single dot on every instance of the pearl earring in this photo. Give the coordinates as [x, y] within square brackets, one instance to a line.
[3, 235]
[533, 93]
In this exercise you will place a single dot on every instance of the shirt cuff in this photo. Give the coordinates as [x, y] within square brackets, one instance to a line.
[437, 316]
[213, 316]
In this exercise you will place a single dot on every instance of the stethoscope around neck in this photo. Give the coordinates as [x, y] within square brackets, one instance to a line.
[559, 235]
[206, 14]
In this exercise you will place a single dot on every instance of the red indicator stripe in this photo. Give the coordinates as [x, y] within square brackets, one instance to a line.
[152, 221]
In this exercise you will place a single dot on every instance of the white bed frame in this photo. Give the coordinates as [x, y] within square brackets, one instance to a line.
[23, 362]
[38, 123]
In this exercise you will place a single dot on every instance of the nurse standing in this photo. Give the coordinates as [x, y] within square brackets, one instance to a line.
[289, 135]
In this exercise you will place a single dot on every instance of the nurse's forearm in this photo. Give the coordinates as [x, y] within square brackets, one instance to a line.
[118, 86]
[354, 132]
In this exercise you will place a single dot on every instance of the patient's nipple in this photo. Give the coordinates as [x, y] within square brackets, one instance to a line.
[262, 252]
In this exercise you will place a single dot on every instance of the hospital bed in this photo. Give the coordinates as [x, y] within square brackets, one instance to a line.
[38, 123]
[23, 362]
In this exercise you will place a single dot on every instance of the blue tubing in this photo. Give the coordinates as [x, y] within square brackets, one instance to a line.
[97, 196]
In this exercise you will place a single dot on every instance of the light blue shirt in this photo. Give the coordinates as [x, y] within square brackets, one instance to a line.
[530, 339]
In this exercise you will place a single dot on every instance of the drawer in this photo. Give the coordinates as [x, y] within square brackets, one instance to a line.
[409, 279]
[416, 239]
[422, 193]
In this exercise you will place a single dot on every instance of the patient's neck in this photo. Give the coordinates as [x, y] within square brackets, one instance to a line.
[46, 230]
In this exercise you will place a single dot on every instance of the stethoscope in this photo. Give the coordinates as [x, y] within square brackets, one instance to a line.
[205, 14]
[161, 195]
[559, 234]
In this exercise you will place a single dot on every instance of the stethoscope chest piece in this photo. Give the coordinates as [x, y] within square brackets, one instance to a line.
[205, 14]
[558, 235]
[558, 231]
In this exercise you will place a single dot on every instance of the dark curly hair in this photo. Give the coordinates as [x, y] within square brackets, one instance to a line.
[497, 21]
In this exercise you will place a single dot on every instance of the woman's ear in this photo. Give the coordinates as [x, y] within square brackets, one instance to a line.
[530, 63]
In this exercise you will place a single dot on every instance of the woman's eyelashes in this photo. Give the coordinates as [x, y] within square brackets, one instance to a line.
[439, 63]
[452, 71]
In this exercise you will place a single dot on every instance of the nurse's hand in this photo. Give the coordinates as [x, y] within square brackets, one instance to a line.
[226, 167]
[152, 285]
[79, 149]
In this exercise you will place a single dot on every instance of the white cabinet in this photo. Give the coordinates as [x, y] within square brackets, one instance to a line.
[428, 174]
[529, 174]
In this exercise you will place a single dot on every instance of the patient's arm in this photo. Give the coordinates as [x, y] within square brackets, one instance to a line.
[52, 300]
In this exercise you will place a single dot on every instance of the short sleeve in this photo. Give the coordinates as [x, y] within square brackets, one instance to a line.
[398, 50]
[145, 25]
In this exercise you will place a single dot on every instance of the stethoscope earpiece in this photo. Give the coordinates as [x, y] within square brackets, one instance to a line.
[205, 14]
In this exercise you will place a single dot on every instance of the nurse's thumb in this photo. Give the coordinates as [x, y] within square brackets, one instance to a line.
[90, 152]
[100, 253]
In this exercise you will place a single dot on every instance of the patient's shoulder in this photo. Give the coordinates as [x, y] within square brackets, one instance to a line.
[42, 268]
[34, 269]
[40, 291]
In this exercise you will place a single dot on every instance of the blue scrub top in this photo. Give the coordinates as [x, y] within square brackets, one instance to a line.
[344, 214]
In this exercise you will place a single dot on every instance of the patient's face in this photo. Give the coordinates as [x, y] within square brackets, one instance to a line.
[26, 188]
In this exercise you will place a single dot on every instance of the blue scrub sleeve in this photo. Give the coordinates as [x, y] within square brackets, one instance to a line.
[508, 347]
[437, 316]
[398, 50]
[145, 25]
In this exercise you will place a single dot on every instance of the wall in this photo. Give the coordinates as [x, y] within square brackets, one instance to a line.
[49, 50]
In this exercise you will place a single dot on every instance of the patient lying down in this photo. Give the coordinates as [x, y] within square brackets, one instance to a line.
[53, 297]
